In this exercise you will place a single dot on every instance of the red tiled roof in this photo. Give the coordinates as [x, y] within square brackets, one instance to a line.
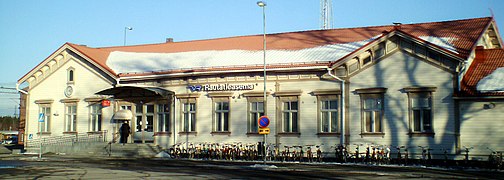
[486, 62]
[464, 33]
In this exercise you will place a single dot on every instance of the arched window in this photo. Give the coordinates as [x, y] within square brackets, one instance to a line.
[70, 75]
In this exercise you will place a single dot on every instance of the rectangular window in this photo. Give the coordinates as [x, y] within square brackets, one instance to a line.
[221, 123]
[125, 107]
[70, 117]
[139, 117]
[372, 110]
[433, 55]
[45, 126]
[407, 45]
[366, 60]
[149, 115]
[379, 51]
[189, 117]
[421, 112]
[391, 44]
[290, 116]
[256, 110]
[329, 115]
[95, 117]
[163, 118]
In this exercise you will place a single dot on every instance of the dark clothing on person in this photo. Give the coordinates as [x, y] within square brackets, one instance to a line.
[124, 132]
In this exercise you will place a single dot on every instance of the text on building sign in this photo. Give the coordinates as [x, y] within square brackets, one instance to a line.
[221, 87]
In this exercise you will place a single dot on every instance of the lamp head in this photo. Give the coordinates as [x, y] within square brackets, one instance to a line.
[129, 28]
[261, 3]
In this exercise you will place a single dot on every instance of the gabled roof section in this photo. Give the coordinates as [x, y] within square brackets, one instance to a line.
[480, 74]
[61, 55]
[291, 49]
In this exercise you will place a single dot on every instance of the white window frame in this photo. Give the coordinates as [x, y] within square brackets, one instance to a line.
[375, 124]
[254, 115]
[415, 94]
[422, 110]
[46, 125]
[289, 127]
[70, 117]
[163, 117]
[221, 123]
[189, 110]
[95, 117]
[151, 115]
[377, 110]
[329, 113]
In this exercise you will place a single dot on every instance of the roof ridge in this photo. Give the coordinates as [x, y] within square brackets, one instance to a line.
[280, 33]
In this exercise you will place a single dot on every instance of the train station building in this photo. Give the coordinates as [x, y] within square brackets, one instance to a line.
[436, 84]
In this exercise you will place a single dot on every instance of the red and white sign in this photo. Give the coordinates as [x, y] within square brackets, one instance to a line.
[105, 103]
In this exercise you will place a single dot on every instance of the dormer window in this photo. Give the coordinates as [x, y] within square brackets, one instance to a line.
[70, 75]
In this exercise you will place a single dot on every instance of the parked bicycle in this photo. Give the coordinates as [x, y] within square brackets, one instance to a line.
[466, 155]
[495, 160]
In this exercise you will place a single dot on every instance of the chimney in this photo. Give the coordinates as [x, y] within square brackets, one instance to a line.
[480, 53]
[397, 25]
[169, 40]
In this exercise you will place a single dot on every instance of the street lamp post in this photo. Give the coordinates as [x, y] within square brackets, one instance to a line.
[126, 29]
[262, 4]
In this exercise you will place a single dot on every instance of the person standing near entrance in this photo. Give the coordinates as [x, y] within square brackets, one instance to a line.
[124, 131]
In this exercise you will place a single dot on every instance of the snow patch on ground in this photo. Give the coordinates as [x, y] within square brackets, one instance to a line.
[264, 166]
[163, 154]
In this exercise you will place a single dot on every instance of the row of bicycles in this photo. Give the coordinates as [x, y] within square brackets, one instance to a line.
[247, 152]
[356, 153]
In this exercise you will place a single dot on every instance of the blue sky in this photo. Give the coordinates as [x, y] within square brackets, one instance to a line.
[31, 30]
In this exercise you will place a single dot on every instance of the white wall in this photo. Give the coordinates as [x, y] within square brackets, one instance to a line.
[396, 72]
[482, 126]
[238, 115]
[52, 86]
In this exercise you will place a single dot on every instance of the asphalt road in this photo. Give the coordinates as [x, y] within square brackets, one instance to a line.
[62, 167]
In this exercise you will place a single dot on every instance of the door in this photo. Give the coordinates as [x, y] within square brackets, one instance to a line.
[144, 123]
[119, 123]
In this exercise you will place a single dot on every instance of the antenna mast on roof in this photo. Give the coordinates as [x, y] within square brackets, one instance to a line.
[326, 14]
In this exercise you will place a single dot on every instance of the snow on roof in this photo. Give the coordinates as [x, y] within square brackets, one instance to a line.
[493, 82]
[129, 62]
[444, 42]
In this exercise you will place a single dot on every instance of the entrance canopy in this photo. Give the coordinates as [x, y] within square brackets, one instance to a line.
[123, 114]
[128, 92]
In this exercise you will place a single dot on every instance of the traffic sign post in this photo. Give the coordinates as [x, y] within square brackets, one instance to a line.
[263, 123]
[263, 130]
[40, 120]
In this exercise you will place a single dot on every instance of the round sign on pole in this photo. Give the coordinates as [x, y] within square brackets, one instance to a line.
[263, 121]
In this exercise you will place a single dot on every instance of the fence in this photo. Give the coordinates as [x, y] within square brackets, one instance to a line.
[67, 139]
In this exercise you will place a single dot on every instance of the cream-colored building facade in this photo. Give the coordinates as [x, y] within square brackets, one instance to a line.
[399, 85]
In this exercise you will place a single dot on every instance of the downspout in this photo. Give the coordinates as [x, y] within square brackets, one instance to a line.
[461, 68]
[342, 102]
[117, 82]
[26, 112]
[174, 110]
[20, 90]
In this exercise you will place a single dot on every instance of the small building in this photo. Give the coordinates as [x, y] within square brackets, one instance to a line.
[435, 84]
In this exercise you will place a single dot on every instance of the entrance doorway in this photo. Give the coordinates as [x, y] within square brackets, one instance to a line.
[144, 123]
